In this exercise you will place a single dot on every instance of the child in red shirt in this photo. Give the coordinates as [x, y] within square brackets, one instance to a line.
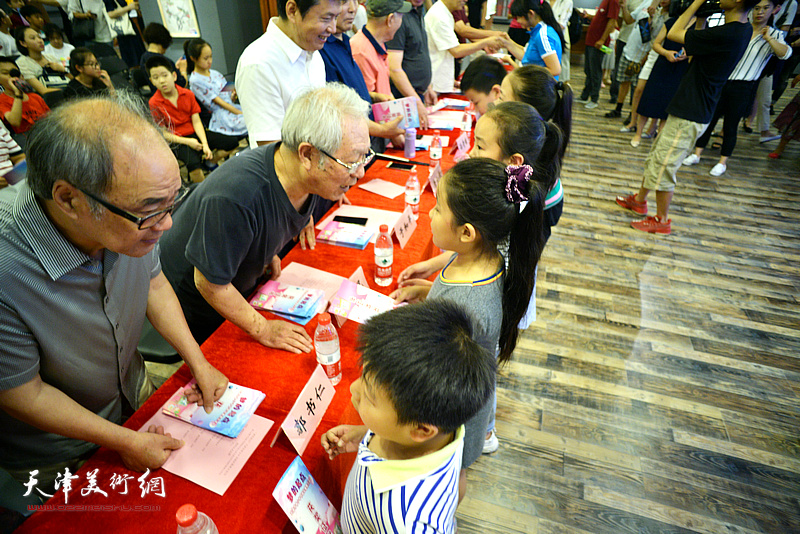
[177, 109]
[18, 110]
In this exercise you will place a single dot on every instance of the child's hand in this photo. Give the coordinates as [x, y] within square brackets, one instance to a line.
[420, 270]
[194, 144]
[412, 293]
[207, 154]
[342, 439]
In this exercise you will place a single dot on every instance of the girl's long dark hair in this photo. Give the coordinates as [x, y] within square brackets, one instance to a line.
[523, 131]
[535, 85]
[520, 8]
[476, 194]
[192, 49]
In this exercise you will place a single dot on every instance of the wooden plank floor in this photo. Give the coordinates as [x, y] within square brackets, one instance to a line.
[659, 388]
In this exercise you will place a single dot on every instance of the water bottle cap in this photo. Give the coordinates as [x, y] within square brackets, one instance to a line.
[325, 319]
[384, 228]
[436, 132]
[186, 515]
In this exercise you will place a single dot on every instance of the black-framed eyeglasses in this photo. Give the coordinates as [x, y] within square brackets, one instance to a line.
[352, 167]
[143, 223]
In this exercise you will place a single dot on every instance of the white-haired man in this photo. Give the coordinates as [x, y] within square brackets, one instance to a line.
[233, 225]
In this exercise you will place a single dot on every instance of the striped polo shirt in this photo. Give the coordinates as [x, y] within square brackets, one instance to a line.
[72, 319]
[403, 496]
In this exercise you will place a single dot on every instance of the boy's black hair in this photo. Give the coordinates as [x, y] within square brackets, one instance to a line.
[77, 58]
[27, 11]
[159, 61]
[8, 59]
[426, 357]
[483, 73]
[158, 34]
[51, 29]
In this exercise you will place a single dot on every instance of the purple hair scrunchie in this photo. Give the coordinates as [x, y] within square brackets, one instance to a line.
[517, 176]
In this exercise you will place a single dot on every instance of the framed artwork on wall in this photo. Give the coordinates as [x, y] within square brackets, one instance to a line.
[179, 18]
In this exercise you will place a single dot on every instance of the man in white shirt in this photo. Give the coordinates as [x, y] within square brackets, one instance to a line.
[283, 63]
[443, 44]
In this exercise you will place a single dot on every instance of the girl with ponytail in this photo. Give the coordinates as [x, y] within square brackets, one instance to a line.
[546, 42]
[483, 206]
[208, 87]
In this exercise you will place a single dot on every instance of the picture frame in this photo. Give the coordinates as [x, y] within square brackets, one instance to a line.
[179, 18]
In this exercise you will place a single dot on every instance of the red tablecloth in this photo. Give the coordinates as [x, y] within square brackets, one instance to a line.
[248, 506]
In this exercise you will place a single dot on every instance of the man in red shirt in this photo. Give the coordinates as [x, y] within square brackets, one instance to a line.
[177, 109]
[603, 23]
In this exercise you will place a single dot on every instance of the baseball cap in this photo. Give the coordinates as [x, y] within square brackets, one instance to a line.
[381, 8]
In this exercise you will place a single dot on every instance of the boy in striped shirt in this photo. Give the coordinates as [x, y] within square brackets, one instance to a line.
[423, 377]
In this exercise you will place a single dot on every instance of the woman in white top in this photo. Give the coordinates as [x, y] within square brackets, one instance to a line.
[95, 10]
[45, 73]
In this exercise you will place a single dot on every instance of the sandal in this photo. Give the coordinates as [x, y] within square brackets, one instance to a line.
[745, 127]
[716, 146]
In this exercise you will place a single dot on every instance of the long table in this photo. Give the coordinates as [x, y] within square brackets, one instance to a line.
[248, 506]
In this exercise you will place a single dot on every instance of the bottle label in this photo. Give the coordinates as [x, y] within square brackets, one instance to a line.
[383, 272]
[333, 370]
[412, 199]
[436, 152]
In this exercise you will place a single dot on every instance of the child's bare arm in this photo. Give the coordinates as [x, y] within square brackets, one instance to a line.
[200, 131]
[191, 142]
[342, 439]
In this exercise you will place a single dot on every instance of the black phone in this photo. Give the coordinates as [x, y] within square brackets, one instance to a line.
[400, 166]
[361, 221]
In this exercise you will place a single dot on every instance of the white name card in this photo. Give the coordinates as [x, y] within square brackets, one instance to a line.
[405, 227]
[304, 417]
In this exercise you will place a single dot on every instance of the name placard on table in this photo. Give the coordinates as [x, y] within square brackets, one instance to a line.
[307, 411]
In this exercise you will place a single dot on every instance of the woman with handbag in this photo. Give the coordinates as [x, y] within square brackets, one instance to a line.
[120, 15]
[89, 22]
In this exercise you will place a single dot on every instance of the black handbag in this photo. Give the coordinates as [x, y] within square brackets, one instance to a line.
[83, 29]
[644, 30]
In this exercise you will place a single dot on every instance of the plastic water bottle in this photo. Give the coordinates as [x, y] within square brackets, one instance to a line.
[412, 193]
[190, 521]
[326, 344]
[466, 121]
[410, 148]
[384, 256]
[436, 148]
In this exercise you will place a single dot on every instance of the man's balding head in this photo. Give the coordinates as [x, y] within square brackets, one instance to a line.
[76, 142]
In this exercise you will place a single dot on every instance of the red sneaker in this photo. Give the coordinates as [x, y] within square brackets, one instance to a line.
[630, 203]
[653, 225]
[773, 155]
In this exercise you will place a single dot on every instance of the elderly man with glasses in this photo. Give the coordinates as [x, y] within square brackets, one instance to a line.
[228, 232]
[79, 270]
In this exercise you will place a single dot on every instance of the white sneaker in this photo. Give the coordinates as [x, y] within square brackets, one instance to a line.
[692, 159]
[718, 169]
[491, 444]
[591, 105]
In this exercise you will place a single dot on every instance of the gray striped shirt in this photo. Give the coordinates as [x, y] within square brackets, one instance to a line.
[72, 319]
